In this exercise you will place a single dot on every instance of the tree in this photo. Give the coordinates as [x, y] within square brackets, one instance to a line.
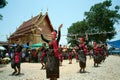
[75, 31]
[3, 3]
[101, 18]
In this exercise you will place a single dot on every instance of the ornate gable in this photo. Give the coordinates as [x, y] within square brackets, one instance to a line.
[28, 29]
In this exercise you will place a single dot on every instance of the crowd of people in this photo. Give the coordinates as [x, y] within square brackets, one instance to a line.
[41, 55]
[51, 57]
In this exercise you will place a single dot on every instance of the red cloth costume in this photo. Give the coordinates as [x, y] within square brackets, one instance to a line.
[76, 56]
[17, 57]
[55, 47]
[96, 50]
[34, 54]
[83, 46]
[43, 55]
[52, 66]
[70, 56]
[61, 57]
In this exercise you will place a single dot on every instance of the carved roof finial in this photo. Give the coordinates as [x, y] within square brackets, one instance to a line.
[47, 9]
[41, 12]
[31, 16]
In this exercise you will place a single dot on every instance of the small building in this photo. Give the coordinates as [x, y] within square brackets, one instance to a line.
[28, 31]
[4, 44]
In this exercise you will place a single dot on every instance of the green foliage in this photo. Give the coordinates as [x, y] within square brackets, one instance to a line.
[1, 17]
[100, 18]
[3, 3]
[77, 28]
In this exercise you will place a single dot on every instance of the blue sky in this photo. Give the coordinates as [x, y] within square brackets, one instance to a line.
[59, 11]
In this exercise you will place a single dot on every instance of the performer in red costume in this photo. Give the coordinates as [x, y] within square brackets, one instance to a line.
[82, 51]
[16, 62]
[70, 55]
[96, 54]
[61, 55]
[52, 64]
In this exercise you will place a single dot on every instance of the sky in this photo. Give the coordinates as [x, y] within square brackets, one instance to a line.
[63, 12]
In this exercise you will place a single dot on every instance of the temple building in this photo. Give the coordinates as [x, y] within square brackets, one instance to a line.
[28, 31]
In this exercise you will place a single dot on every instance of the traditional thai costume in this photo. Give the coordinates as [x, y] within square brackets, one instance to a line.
[82, 51]
[16, 61]
[52, 64]
[97, 55]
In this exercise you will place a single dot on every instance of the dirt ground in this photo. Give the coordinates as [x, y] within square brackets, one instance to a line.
[108, 70]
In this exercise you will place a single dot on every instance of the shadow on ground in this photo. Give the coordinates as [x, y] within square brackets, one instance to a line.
[83, 72]
[21, 74]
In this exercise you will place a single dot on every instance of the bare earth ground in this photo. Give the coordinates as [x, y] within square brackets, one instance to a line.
[108, 70]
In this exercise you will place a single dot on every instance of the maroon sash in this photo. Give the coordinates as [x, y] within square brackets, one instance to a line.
[55, 47]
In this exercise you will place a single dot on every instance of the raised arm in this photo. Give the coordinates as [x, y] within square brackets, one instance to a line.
[42, 37]
[59, 33]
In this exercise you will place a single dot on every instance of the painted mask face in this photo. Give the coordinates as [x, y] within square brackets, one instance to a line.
[53, 35]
